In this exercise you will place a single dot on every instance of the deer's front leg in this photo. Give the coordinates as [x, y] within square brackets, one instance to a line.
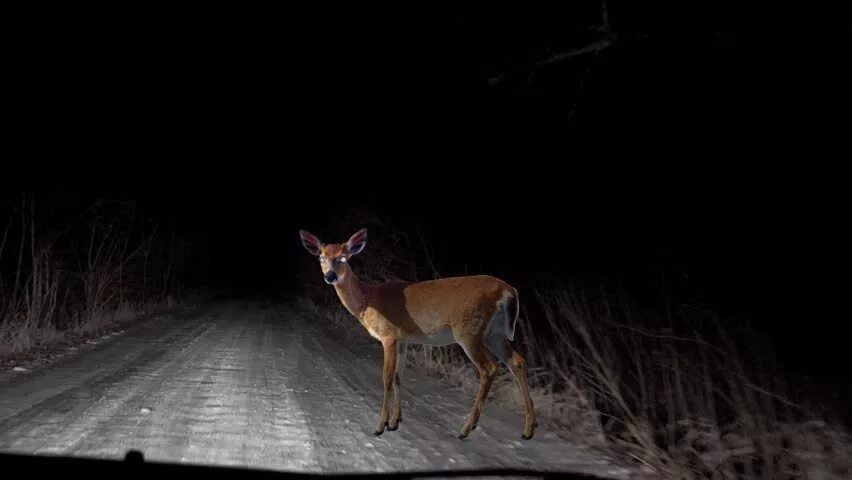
[396, 417]
[389, 347]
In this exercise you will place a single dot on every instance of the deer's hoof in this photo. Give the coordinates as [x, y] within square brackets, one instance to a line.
[378, 432]
[462, 436]
[394, 423]
[526, 437]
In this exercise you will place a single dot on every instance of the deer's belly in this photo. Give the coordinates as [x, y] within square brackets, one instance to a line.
[438, 339]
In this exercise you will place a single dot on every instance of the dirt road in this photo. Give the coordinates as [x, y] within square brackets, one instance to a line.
[254, 385]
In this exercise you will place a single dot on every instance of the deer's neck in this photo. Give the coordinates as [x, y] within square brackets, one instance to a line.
[354, 294]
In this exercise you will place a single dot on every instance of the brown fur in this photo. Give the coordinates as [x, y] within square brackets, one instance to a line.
[398, 313]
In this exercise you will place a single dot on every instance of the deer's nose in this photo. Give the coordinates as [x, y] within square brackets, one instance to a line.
[330, 277]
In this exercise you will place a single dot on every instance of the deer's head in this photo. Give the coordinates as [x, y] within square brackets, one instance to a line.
[334, 257]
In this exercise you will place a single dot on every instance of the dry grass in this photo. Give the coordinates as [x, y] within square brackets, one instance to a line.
[684, 399]
[17, 338]
[58, 287]
[680, 397]
[23, 338]
[677, 406]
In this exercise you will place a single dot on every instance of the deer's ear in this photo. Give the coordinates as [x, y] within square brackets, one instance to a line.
[311, 243]
[357, 242]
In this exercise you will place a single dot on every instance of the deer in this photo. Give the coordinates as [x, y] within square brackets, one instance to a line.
[477, 312]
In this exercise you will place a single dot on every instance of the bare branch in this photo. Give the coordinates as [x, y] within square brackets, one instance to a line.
[429, 259]
[558, 57]
[496, 80]
[593, 47]
[5, 235]
[21, 247]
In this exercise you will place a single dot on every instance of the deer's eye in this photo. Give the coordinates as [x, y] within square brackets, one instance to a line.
[322, 259]
[342, 259]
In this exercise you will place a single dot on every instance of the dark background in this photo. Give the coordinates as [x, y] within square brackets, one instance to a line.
[644, 165]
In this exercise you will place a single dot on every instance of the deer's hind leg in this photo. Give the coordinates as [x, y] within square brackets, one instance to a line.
[475, 349]
[500, 347]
